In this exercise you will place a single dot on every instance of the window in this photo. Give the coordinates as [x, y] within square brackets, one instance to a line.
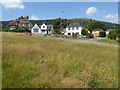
[77, 28]
[43, 26]
[69, 33]
[35, 30]
[73, 28]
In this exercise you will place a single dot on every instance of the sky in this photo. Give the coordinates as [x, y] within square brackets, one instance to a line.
[103, 11]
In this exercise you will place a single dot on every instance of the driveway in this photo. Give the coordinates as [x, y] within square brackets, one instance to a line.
[91, 41]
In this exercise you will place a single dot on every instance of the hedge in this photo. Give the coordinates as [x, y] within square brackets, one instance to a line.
[102, 34]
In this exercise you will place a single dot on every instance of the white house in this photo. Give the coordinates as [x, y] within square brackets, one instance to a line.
[36, 29]
[42, 29]
[108, 31]
[96, 32]
[73, 28]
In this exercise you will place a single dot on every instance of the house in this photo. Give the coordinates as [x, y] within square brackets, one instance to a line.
[42, 29]
[21, 22]
[36, 29]
[108, 31]
[73, 28]
[96, 32]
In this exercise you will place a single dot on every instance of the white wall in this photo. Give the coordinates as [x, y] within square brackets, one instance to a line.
[107, 32]
[35, 27]
[43, 26]
[75, 30]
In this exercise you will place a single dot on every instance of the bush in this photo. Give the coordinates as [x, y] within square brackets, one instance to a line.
[102, 34]
[90, 35]
[74, 35]
[84, 32]
[114, 34]
[16, 30]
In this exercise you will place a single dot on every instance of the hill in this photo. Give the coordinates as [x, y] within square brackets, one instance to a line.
[83, 21]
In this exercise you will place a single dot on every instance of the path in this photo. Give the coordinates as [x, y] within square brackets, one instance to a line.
[91, 41]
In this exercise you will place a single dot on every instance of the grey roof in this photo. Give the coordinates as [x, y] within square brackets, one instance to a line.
[74, 25]
[20, 21]
[110, 29]
[97, 29]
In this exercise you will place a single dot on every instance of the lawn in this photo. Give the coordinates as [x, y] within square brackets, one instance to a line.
[38, 62]
[108, 41]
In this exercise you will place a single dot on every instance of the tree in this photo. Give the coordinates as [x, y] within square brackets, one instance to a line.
[84, 32]
[90, 35]
[102, 34]
[92, 25]
[114, 34]
[74, 35]
[57, 24]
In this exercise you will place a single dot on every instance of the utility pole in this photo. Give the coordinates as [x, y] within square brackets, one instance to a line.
[61, 18]
[61, 21]
[82, 24]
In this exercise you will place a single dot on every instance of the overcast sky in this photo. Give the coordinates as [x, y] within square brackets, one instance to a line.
[104, 11]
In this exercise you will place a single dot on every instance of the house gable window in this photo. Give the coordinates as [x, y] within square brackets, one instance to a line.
[73, 28]
[77, 28]
[36, 30]
[43, 26]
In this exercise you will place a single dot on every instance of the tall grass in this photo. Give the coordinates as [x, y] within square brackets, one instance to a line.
[34, 61]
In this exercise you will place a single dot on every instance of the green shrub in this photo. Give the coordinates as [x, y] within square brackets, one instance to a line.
[102, 34]
[114, 34]
[90, 35]
[74, 35]
[16, 30]
[84, 32]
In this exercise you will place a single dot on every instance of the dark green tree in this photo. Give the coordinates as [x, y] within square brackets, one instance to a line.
[84, 32]
[102, 34]
[59, 24]
[92, 25]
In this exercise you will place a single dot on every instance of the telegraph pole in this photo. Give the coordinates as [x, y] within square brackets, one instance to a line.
[61, 18]
[61, 21]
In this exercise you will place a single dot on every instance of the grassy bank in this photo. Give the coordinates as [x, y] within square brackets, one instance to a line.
[34, 61]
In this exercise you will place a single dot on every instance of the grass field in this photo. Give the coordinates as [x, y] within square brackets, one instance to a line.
[108, 41]
[34, 61]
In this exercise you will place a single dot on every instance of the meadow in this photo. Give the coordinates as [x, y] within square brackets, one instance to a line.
[36, 62]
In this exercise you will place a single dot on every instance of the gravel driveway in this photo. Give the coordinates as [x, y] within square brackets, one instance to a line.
[91, 41]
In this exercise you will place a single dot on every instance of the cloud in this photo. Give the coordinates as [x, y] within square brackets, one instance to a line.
[112, 18]
[91, 11]
[12, 4]
[33, 17]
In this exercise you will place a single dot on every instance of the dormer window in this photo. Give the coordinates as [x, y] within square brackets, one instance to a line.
[77, 28]
[73, 28]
